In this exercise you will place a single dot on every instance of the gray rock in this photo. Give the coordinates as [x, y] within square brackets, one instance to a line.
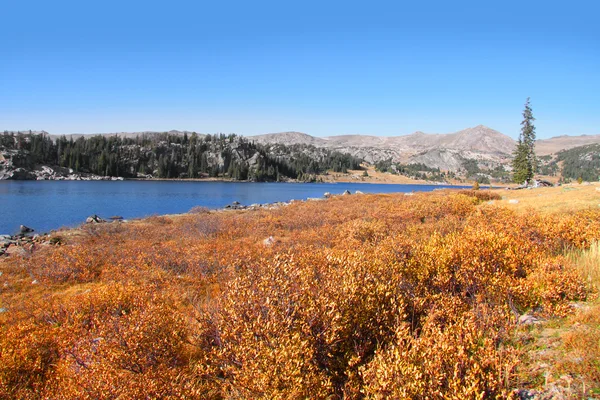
[346, 192]
[25, 229]
[327, 194]
[94, 219]
[528, 319]
[358, 192]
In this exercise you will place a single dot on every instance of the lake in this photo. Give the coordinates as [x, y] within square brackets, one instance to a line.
[46, 205]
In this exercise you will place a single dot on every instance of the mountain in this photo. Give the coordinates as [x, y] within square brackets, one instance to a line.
[554, 145]
[444, 151]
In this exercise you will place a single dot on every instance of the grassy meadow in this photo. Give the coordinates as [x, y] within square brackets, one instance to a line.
[361, 296]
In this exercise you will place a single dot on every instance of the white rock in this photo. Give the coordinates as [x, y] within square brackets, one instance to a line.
[528, 319]
[513, 201]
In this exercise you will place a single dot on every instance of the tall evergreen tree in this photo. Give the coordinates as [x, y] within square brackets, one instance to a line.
[525, 162]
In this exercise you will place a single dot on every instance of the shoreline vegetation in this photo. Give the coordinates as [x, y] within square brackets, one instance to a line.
[465, 293]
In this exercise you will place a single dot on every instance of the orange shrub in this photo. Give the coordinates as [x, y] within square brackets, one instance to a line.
[358, 296]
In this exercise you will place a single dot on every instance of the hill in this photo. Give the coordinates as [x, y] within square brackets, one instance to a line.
[443, 151]
[162, 155]
[554, 145]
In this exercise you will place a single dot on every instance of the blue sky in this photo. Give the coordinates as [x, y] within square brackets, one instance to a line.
[324, 68]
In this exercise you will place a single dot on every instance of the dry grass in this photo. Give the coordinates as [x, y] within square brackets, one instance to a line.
[562, 199]
[588, 264]
[563, 355]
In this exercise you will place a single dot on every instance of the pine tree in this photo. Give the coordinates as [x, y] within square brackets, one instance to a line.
[524, 162]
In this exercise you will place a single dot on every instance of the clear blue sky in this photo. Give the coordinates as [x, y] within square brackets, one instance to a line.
[324, 68]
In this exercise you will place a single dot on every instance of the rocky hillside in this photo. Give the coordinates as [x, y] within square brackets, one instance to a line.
[162, 155]
[478, 153]
[564, 142]
[444, 151]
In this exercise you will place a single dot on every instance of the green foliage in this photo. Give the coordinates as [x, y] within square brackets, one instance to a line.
[524, 162]
[580, 162]
[413, 170]
[167, 155]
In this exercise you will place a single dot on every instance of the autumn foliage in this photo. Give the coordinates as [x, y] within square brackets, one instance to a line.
[366, 296]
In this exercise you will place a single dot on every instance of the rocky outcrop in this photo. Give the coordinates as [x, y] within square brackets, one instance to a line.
[444, 151]
[94, 219]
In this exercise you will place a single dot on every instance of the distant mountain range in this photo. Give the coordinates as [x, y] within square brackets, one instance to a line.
[445, 151]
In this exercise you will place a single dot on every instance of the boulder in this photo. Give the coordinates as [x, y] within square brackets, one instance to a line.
[346, 192]
[358, 192]
[25, 229]
[513, 201]
[269, 241]
[528, 319]
[327, 194]
[94, 219]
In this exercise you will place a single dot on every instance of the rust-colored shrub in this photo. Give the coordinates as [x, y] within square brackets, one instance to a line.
[377, 296]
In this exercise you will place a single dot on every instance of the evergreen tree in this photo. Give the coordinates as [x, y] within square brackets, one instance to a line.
[524, 162]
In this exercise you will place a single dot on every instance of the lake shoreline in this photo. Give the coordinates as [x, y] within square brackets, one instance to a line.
[54, 204]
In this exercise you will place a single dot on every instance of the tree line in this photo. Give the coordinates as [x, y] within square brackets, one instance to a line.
[167, 155]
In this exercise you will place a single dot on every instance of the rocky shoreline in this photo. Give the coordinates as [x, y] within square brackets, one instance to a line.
[45, 173]
[26, 241]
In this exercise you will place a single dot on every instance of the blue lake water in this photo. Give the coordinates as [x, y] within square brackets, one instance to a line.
[46, 205]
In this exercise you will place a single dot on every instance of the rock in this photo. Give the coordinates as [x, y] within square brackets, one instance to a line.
[513, 201]
[269, 241]
[34, 282]
[328, 195]
[358, 192]
[409, 194]
[14, 249]
[25, 229]
[3, 310]
[346, 192]
[528, 319]
[94, 219]
[236, 203]
[526, 394]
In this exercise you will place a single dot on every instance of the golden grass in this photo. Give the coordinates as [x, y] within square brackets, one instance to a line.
[563, 355]
[562, 199]
[588, 263]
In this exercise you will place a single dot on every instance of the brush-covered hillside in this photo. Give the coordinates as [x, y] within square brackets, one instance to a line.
[582, 162]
